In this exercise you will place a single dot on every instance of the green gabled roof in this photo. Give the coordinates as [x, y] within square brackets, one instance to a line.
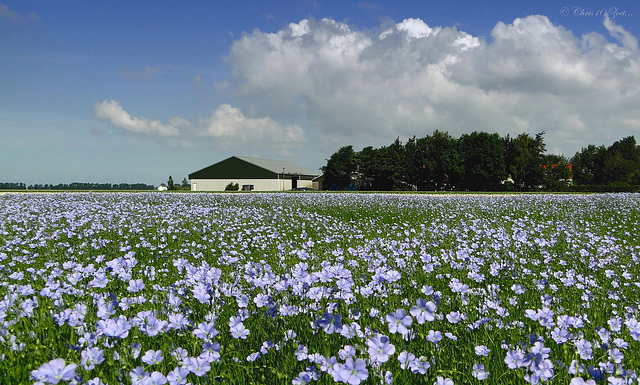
[240, 167]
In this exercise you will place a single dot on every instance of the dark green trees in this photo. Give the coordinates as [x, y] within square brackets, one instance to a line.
[617, 164]
[483, 159]
[340, 169]
[621, 160]
[524, 157]
[434, 162]
[482, 162]
[588, 165]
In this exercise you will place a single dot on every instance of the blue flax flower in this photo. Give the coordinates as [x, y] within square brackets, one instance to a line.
[406, 359]
[239, 331]
[399, 322]
[380, 348]
[581, 381]
[479, 372]
[55, 371]
[423, 311]
[198, 366]
[178, 376]
[155, 378]
[152, 357]
[331, 323]
[482, 350]
[352, 372]
[137, 375]
[92, 357]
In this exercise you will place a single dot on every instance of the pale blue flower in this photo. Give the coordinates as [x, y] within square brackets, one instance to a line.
[91, 357]
[198, 366]
[380, 348]
[137, 375]
[136, 285]
[303, 378]
[423, 311]
[206, 331]
[155, 378]
[331, 323]
[454, 317]
[178, 376]
[347, 351]
[352, 372]
[482, 350]
[443, 381]
[582, 381]
[479, 372]
[406, 359]
[399, 322]
[420, 365]
[55, 371]
[96, 381]
[152, 357]
[514, 359]
[239, 331]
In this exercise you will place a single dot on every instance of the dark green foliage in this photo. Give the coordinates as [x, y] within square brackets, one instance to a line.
[13, 186]
[621, 160]
[170, 183]
[615, 165]
[92, 186]
[232, 187]
[588, 165]
[556, 173]
[483, 159]
[434, 162]
[340, 169]
[483, 162]
[524, 156]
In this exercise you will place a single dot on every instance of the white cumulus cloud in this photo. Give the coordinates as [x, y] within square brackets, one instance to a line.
[364, 87]
[227, 127]
[229, 124]
[111, 111]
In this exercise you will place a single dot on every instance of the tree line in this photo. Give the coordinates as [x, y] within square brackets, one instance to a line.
[76, 186]
[481, 161]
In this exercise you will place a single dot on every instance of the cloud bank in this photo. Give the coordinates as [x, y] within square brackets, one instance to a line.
[360, 87]
[227, 126]
[337, 85]
[111, 111]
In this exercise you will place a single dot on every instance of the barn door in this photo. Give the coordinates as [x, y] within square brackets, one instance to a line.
[294, 182]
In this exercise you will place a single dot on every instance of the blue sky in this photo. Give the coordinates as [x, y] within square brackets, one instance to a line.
[135, 91]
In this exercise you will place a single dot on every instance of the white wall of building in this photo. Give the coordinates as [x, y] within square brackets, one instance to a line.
[258, 184]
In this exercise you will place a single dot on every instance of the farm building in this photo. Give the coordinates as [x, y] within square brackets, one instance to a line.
[254, 174]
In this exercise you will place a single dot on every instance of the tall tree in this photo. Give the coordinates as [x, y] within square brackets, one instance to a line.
[484, 161]
[524, 157]
[341, 169]
[444, 161]
[368, 170]
[556, 172]
[621, 160]
[588, 165]
[380, 168]
[170, 183]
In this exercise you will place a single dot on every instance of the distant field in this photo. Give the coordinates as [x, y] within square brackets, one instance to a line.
[155, 288]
